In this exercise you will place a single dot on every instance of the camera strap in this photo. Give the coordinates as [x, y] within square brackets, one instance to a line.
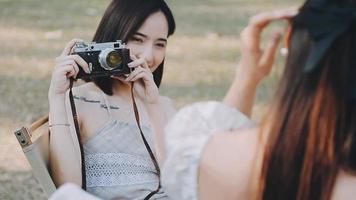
[137, 117]
[153, 158]
[76, 124]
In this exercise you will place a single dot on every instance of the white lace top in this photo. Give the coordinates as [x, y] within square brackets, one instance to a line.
[117, 163]
[186, 135]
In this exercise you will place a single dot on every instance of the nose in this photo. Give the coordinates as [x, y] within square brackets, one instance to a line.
[148, 55]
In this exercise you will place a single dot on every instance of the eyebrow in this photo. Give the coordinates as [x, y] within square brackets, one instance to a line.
[145, 36]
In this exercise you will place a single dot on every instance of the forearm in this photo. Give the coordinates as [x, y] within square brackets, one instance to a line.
[65, 166]
[158, 120]
[241, 94]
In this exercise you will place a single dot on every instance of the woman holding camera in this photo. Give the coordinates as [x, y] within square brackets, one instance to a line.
[116, 163]
[306, 147]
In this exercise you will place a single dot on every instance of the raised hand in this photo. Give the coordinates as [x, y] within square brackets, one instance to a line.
[66, 67]
[256, 63]
[144, 86]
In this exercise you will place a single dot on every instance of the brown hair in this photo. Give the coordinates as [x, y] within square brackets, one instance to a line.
[312, 122]
[121, 20]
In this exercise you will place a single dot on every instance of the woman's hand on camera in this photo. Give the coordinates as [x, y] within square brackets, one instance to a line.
[256, 63]
[66, 67]
[144, 86]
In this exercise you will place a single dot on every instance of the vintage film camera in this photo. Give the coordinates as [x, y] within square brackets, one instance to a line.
[104, 59]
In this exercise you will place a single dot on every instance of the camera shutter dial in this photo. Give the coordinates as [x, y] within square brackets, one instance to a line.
[110, 59]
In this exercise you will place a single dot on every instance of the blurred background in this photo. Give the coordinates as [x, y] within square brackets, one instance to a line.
[200, 63]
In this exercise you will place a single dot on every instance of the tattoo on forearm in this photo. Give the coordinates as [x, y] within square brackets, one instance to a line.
[84, 99]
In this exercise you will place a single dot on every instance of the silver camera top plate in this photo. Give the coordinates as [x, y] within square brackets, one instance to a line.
[93, 46]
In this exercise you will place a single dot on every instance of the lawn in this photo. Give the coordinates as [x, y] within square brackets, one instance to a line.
[200, 63]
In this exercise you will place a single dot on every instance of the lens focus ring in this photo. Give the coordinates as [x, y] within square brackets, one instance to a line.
[110, 59]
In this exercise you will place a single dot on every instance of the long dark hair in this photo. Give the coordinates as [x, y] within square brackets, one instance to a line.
[121, 20]
[311, 127]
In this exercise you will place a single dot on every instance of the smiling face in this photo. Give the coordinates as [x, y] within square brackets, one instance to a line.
[150, 40]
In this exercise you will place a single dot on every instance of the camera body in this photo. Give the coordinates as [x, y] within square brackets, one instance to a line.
[104, 59]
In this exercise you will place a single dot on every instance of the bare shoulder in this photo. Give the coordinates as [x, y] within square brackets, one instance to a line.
[345, 186]
[238, 148]
[229, 161]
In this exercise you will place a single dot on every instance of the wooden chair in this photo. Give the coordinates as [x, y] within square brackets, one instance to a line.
[34, 141]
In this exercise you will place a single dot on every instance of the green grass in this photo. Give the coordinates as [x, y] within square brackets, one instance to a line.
[200, 63]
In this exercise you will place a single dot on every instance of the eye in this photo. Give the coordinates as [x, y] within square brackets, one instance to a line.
[161, 45]
[137, 39]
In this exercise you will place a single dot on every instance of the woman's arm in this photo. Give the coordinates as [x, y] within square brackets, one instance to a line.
[241, 94]
[160, 113]
[65, 162]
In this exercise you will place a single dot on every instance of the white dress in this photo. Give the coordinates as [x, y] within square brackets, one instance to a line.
[186, 135]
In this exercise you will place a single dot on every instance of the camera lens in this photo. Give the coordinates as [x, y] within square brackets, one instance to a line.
[114, 59]
[110, 59]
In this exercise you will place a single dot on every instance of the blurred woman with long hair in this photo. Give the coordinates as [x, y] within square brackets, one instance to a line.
[306, 146]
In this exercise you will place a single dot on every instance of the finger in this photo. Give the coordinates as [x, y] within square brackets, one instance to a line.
[268, 57]
[59, 60]
[251, 34]
[139, 70]
[133, 57]
[67, 49]
[144, 64]
[68, 71]
[136, 63]
[71, 63]
[74, 71]
[120, 78]
[141, 75]
[261, 20]
[81, 62]
[64, 60]
[135, 72]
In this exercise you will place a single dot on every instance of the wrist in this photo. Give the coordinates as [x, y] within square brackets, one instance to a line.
[152, 106]
[66, 124]
[242, 85]
[151, 99]
[246, 80]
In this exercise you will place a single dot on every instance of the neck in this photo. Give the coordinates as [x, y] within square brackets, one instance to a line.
[121, 89]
